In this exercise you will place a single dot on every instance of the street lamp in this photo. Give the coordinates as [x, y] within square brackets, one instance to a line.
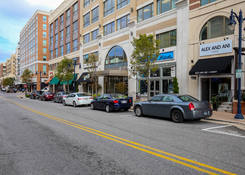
[232, 24]
[74, 64]
[40, 74]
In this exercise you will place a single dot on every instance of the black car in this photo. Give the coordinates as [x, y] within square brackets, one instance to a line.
[112, 102]
[59, 97]
[35, 94]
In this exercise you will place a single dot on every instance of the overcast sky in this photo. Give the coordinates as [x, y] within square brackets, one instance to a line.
[13, 16]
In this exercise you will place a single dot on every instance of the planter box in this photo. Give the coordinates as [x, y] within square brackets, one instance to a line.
[234, 107]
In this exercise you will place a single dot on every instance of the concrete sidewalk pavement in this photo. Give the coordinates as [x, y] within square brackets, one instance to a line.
[227, 118]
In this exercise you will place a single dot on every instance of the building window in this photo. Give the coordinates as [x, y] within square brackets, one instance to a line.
[75, 30]
[123, 22]
[94, 34]
[109, 6]
[86, 38]
[44, 50]
[204, 2]
[145, 13]
[109, 28]
[75, 45]
[61, 22]
[68, 17]
[86, 3]
[215, 27]
[44, 18]
[61, 50]
[164, 6]
[44, 58]
[68, 48]
[44, 34]
[51, 30]
[44, 69]
[122, 3]
[95, 14]
[85, 59]
[56, 53]
[44, 42]
[56, 26]
[44, 26]
[51, 54]
[75, 11]
[61, 35]
[68, 33]
[167, 39]
[86, 19]
[116, 58]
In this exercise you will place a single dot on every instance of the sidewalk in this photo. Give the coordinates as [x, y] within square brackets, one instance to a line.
[227, 118]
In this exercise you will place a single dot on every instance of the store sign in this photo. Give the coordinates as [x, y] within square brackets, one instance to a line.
[216, 48]
[173, 72]
[165, 56]
[239, 73]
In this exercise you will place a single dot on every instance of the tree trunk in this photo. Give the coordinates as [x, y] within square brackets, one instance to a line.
[68, 87]
[96, 86]
[64, 87]
[148, 85]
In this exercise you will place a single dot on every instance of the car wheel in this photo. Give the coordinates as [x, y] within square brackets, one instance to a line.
[177, 116]
[64, 103]
[74, 104]
[138, 111]
[92, 106]
[107, 108]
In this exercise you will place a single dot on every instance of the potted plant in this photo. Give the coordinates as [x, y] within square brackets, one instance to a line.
[214, 102]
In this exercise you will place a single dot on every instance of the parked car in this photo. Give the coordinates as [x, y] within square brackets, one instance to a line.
[112, 102]
[60, 96]
[77, 99]
[175, 107]
[3, 89]
[46, 96]
[35, 94]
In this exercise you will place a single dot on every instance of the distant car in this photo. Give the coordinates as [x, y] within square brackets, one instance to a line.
[3, 89]
[46, 96]
[35, 94]
[60, 96]
[77, 99]
[46, 89]
[112, 102]
[175, 107]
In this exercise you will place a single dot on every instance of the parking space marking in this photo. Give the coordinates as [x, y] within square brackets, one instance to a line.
[216, 127]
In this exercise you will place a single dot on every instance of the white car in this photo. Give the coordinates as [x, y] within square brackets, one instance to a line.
[77, 99]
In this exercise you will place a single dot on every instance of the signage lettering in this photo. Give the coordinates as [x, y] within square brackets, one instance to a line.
[216, 48]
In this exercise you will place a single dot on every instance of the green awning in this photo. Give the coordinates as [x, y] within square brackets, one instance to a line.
[70, 81]
[54, 81]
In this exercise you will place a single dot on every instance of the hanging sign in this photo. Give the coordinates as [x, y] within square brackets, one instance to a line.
[216, 48]
[239, 73]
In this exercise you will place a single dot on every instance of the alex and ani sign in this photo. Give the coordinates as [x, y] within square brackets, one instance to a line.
[216, 48]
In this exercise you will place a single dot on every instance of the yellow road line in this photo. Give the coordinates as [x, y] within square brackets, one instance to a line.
[132, 144]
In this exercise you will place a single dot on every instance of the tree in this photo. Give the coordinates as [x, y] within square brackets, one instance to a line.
[8, 81]
[175, 85]
[146, 51]
[92, 69]
[65, 71]
[27, 77]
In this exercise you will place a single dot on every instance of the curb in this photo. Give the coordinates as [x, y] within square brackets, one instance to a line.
[226, 121]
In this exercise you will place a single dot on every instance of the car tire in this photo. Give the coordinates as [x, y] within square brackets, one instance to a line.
[64, 103]
[108, 108]
[138, 111]
[74, 104]
[177, 116]
[92, 106]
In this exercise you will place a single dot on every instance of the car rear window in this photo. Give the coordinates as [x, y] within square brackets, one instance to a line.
[118, 96]
[82, 94]
[187, 98]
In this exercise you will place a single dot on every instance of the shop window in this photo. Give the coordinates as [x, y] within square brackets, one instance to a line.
[155, 73]
[145, 13]
[204, 2]
[165, 5]
[216, 27]
[167, 39]
[166, 72]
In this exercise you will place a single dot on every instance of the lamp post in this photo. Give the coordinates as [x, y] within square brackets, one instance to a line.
[39, 85]
[74, 64]
[232, 23]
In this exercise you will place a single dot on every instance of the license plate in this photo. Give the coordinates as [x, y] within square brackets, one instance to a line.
[124, 101]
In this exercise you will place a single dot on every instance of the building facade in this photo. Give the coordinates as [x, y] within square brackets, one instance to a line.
[34, 44]
[64, 34]
[107, 30]
[213, 49]
[2, 72]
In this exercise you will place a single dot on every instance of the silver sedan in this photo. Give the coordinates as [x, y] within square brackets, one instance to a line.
[175, 107]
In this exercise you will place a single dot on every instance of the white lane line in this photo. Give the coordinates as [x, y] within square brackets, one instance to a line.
[216, 127]
[225, 133]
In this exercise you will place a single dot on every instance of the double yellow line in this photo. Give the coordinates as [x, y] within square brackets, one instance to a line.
[147, 149]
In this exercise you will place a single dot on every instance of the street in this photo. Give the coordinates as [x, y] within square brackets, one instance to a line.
[38, 137]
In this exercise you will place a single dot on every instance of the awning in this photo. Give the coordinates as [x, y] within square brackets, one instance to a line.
[70, 81]
[212, 66]
[50, 78]
[84, 78]
[54, 81]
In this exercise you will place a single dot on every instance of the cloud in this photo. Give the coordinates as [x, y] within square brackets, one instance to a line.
[50, 4]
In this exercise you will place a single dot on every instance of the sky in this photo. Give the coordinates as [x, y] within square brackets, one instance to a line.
[14, 14]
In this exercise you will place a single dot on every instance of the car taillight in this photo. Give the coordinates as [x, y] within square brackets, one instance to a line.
[191, 107]
[115, 101]
[130, 101]
[91, 98]
[80, 98]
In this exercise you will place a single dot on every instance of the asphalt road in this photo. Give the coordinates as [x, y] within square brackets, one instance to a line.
[45, 138]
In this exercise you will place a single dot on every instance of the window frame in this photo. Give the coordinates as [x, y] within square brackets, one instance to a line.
[141, 10]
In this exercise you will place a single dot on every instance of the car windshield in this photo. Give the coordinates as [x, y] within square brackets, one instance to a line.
[82, 94]
[187, 98]
[118, 96]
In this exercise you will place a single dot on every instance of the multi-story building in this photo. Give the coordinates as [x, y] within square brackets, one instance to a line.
[11, 66]
[34, 44]
[213, 49]
[17, 53]
[2, 72]
[107, 30]
[64, 35]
